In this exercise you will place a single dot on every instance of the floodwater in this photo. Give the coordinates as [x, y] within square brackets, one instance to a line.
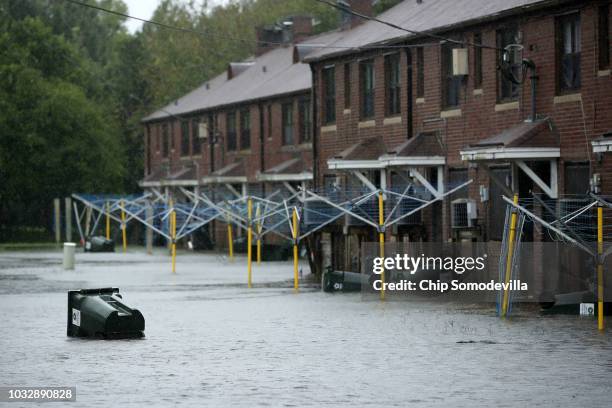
[210, 341]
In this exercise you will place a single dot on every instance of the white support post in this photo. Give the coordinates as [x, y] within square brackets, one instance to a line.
[551, 190]
[366, 182]
[415, 173]
[441, 179]
[149, 230]
[554, 181]
[68, 205]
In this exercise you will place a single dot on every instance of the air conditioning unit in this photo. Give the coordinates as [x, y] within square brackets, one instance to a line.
[463, 213]
[203, 130]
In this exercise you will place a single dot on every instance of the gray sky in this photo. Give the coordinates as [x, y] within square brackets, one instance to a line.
[145, 8]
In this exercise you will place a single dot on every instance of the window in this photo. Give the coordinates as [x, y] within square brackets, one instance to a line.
[366, 73]
[196, 146]
[287, 123]
[392, 81]
[451, 84]
[477, 61]
[568, 52]
[329, 95]
[510, 66]
[184, 138]
[245, 129]
[165, 140]
[603, 37]
[305, 120]
[231, 130]
[420, 70]
[347, 85]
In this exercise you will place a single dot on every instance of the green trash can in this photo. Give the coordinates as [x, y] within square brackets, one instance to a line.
[101, 313]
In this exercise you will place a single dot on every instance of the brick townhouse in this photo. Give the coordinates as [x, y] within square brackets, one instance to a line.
[399, 110]
[245, 131]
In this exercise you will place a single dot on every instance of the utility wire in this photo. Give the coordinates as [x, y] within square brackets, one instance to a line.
[243, 40]
[415, 32]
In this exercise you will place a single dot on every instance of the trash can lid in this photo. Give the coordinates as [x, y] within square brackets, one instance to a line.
[69, 244]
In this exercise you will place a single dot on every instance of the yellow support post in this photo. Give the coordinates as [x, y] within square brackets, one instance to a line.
[123, 232]
[249, 237]
[230, 240]
[173, 234]
[600, 285]
[295, 251]
[107, 220]
[381, 239]
[257, 215]
[511, 236]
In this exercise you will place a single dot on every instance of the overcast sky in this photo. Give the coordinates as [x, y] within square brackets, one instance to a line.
[145, 8]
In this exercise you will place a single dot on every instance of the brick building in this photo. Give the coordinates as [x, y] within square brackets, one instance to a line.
[394, 111]
[246, 130]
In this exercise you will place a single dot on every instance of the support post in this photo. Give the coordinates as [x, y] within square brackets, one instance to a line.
[87, 221]
[57, 220]
[107, 220]
[149, 230]
[513, 219]
[123, 227]
[600, 284]
[381, 239]
[68, 209]
[295, 251]
[230, 240]
[257, 215]
[249, 237]
[173, 234]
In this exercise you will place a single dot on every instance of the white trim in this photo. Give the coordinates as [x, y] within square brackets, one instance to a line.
[336, 164]
[575, 97]
[223, 180]
[451, 113]
[413, 160]
[328, 128]
[176, 183]
[366, 124]
[145, 184]
[602, 146]
[395, 120]
[305, 176]
[504, 153]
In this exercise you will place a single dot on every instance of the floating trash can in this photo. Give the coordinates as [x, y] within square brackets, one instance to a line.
[101, 313]
[99, 244]
[69, 248]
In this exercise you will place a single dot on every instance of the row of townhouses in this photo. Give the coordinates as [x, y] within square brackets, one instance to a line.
[515, 95]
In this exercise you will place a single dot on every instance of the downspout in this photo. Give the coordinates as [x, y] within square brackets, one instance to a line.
[262, 167]
[315, 127]
[409, 105]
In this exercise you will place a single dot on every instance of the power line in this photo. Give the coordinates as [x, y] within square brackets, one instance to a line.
[242, 40]
[415, 32]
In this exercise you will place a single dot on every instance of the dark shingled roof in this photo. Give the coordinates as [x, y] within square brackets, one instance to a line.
[423, 144]
[527, 134]
[235, 169]
[429, 15]
[291, 166]
[271, 74]
[367, 149]
[184, 174]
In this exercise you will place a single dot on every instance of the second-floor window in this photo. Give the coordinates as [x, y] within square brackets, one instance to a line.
[507, 88]
[287, 116]
[231, 131]
[477, 61]
[196, 145]
[165, 140]
[245, 129]
[185, 138]
[347, 85]
[420, 70]
[366, 82]
[305, 120]
[451, 84]
[568, 52]
[392, 84]
[329, 95]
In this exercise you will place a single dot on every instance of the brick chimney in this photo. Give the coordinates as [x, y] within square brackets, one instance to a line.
[348, 20]
[287, 31]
